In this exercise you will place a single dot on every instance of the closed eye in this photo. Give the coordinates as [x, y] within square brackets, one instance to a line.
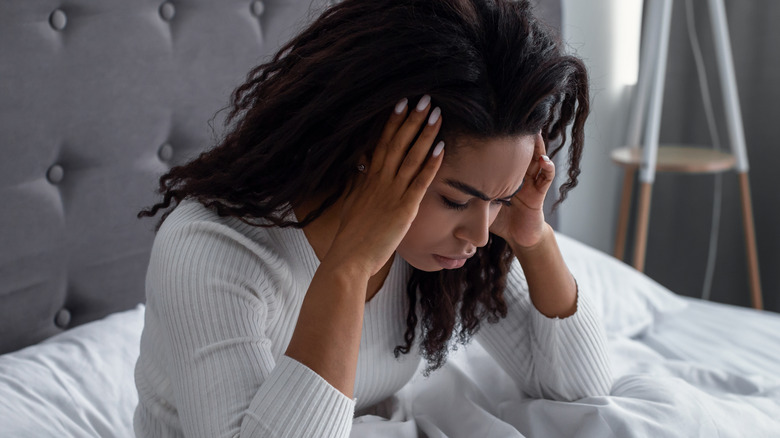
[454, 205]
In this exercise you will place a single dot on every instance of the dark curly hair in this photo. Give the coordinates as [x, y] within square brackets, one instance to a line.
[300, 123]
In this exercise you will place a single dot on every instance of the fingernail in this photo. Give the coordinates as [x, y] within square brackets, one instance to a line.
[437, 150]
[423, 103]
[545, 158]
[434, 116]
[401, 105]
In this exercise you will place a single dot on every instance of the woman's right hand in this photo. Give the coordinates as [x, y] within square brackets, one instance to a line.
[384, 200]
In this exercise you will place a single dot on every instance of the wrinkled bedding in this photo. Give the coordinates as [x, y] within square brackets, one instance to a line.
[654, 394]
[682, 368]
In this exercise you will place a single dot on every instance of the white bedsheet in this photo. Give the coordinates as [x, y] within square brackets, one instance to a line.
[730, 338]
[689, 376]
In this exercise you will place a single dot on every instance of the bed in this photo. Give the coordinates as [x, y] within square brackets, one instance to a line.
[97, 99]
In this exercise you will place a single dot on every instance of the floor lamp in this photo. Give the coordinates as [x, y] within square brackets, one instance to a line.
[645, 118]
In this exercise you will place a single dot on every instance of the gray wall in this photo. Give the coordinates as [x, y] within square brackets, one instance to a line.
[682, 204]
[592, 30]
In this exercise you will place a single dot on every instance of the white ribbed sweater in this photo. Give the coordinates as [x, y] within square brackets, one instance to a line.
[223, 298]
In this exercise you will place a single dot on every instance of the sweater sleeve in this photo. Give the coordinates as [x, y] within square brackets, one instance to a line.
[560, 359]
[214, 292]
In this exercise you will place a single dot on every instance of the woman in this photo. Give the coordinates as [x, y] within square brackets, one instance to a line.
[380, 188]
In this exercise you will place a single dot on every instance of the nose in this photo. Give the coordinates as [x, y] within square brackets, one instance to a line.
[475, 226]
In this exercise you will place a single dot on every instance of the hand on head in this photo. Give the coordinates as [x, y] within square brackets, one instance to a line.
[379, 210]
[523, 223]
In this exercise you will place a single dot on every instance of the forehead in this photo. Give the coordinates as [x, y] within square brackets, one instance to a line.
[494, 165]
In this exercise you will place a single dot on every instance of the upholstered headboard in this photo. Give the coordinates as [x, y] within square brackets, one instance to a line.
[97, 100]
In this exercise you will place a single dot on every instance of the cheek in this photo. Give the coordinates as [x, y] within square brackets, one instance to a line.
[431, 223]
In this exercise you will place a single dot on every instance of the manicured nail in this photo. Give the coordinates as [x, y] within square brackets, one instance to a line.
[401, 105]
[437, 150]
[434, 116]
[423, 103]
[545, 158]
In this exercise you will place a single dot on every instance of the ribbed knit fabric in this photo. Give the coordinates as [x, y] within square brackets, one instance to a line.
[223, 299]
[553, 358]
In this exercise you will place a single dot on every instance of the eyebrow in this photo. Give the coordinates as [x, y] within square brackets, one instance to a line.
[465, 188]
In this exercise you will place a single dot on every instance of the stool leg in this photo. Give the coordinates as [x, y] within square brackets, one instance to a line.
[625, 208]
[750, 241]
[728, 84]
[643, 218]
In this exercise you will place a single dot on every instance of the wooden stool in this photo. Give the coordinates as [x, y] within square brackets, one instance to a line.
[652, 158]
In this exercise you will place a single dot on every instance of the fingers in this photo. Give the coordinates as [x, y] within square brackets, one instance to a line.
[418, 153]
[537, 182]
[533, 169]
[399, 164]
[394, 122]
[538, 177]
[539, 151]
[423, 180]
[400, 144]
[546, 174]
[539, 147]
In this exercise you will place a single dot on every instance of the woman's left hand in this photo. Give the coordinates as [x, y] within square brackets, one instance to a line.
[522, 224]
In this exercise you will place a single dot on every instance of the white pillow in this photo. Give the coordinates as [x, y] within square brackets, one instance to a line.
[76, 384]
[628, 300]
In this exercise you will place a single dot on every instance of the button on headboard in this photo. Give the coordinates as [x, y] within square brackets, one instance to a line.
[97, 100]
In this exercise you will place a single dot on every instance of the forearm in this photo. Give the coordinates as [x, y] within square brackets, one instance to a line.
[327, 334]
[551, 286]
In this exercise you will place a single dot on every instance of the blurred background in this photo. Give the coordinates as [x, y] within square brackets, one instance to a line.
[607, 34]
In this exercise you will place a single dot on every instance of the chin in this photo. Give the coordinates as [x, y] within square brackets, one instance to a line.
[429, 268]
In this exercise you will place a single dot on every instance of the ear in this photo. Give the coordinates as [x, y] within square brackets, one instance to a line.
[362, 163]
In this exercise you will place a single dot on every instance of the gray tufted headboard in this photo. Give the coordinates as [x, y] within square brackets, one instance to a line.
[97, 100]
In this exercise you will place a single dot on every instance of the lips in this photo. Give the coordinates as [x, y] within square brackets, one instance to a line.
[451, 262]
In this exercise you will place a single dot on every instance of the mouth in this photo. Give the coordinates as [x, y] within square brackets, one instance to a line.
[451, 262]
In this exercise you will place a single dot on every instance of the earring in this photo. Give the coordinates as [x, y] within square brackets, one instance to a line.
[361, 168]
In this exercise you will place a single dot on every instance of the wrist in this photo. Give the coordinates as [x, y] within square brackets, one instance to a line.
[547, 235]
[348, 268]
[344, 270]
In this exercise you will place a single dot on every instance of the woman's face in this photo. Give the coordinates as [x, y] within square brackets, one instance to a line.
[464, 200]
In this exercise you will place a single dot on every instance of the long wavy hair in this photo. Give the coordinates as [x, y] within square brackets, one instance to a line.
[301, 121]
